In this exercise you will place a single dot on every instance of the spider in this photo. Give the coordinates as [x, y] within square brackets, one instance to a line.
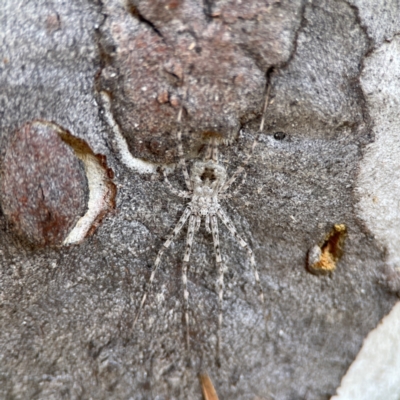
[207, 184]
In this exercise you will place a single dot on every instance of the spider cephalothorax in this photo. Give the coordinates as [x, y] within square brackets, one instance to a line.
[207, 178]
[208, 174]
[206, 185]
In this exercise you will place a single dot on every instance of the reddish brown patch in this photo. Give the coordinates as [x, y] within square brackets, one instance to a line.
[43, 186]
[153, 70]
[173, 4]
[163, 97]
[53, 23]
[210, 134]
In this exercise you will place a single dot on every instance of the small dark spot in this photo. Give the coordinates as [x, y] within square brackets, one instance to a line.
[198, 49]
[208, 174]
[279, 135]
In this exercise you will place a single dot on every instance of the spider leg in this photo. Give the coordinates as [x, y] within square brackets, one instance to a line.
[214, 153]
[225, 219]
[218, 258]
[207, 223]
[189, 243]
[212, 150]
[253, 146]
[236, 191]
[176, 192]
[182, 162]
[165, 246]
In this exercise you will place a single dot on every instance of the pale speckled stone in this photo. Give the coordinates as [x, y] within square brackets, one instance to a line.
[375, 373]
[378, 184]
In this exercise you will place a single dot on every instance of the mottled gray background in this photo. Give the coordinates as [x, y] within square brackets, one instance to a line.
[67, 313]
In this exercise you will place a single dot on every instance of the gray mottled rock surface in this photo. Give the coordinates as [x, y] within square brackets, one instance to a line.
[66, 313]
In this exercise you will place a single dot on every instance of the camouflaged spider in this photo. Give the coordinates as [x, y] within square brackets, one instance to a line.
[206, 185]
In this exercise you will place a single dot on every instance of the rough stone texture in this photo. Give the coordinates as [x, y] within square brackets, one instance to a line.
[66, 314]
[381, 19]
[318, 94]
[375, 374]
[162, 55]
[43, 185]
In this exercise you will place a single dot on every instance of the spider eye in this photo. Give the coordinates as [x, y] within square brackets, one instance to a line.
[279, 135]
[208, 174]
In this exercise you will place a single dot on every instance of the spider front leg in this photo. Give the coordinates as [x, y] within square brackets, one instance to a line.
[225, 219]
[176, 192]
[218, 258]
[250, 154]
[182, 162]
[236, 191]
[239, 170]
[165, 246]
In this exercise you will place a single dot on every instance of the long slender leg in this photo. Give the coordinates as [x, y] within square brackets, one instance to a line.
[250, 154]
[189, 243]
[225, 219]
[198, 222]
[207, 223]
[176, 192]
[236, 191]
[218, 258]
[182, 162]
[212, 150]
[165, 246]
[214, 154]
[207, 155]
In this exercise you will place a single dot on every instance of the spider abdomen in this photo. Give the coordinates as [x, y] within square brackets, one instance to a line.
[203, 205]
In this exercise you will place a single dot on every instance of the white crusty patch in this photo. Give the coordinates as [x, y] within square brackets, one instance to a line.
[378, 185]
[99, 197]
[141, 166]
[375, 373]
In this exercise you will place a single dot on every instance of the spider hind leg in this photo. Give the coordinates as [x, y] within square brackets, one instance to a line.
[189, 244]
[241, 168]
[228, 223]
[182, 161]
[220, 282]
[157, 262]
